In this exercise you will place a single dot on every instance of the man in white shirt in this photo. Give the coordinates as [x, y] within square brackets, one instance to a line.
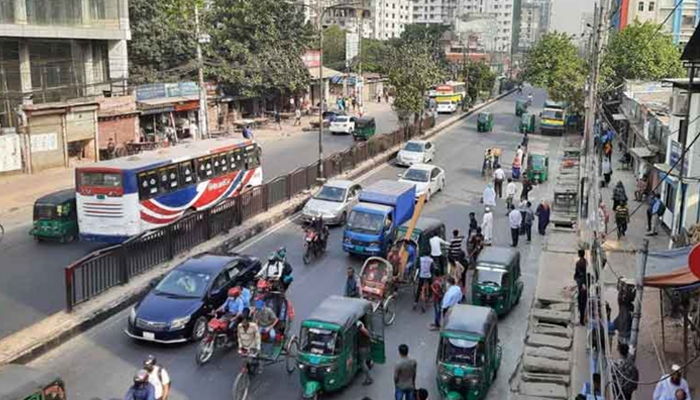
[667, 387]
[487, 225]
[436, 243]
[498, 177]
[511, 191]
[158, 377]
[515, 219]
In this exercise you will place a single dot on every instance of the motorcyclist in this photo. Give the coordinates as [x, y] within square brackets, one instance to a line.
[142, 389]
[277, 269]
[233, 307]
[320, 231]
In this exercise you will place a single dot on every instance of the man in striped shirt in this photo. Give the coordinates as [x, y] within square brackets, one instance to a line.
[455, 253]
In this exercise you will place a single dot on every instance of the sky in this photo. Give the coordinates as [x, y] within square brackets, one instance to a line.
[566, 14]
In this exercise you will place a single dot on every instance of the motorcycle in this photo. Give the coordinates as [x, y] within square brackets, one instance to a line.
[217, 336]
[313, 244]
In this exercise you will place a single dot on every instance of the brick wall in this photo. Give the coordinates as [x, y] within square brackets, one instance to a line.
[122, 129]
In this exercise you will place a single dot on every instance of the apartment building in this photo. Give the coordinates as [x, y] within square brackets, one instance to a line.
[435, 11]
[375, 19]
[502, 10]
[530, 25]
[680, 25]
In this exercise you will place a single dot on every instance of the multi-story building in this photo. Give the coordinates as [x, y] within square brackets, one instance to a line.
[502, 10]
[681, 24]
[435, 11]
[378, 19]
[390, 17]
[530, 25]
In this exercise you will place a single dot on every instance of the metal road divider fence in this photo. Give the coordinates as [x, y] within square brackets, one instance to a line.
[116, 265]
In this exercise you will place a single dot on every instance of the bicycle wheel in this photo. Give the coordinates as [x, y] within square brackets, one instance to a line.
[242, 385]
[290, 356]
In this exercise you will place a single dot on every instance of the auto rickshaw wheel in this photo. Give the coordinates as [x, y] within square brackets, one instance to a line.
[290, 356]
[389, 311]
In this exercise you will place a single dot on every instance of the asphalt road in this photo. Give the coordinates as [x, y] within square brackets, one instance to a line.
[100, 363]
[32, 286]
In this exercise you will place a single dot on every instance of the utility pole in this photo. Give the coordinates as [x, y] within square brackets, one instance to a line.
[360, 81]
[639, 284]
[203, 132]
[321, 85]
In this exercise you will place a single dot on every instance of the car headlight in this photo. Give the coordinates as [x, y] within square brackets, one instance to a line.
[301, 366]
[329, 369]
[132, 315]
[347, 240]
[179, 323]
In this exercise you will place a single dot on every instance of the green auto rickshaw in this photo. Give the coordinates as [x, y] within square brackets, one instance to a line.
[537, 167]
[527, 123]
[55, 217]
[425, 229]
[365, 128]
[19, 382]
[497, 282]
[484, 122]
[328, 356]
[468, 353]
[521, 106]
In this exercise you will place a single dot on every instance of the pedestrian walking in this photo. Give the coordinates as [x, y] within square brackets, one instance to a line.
[278, 120]
[657, 211]
[452, 296]
[405, 375]
[582, 301]
[487, 226]
[622, 216]
[625, 374]
[475, 245]
[669, 384]
[339, 103]
[498, 177]
[455, 252]
[607, 171]
[511, 191]
[527, 188]
[528, 220]
[353, 101]
[619, 195]
[141, 389]
[489, 196]
[473, 224]
[436, 243]
[297, 117]
[437, 294]
[515, 219]
[247, 133]
[351, 288]
[650, 207]
[425, 276]
[158, 377]
[581, 268]
[543, 212]
[364, 349]
[593, 391]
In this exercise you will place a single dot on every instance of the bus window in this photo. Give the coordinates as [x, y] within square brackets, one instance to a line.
[169, 179]
[101, 179]
[252, 155]
[148, 184]
[216, 162]
[235, 158]
[223, 163]
[205, 169]
[186, 173]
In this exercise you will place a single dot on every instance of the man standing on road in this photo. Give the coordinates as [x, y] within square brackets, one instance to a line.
[511, 191]
[436, 290]
[498, 177]
[158, 377]
[472, 224]
[487, 226]
[278, 120]
[364, 349]
[425, 275]
[456, 254]
[581, 266]
[405, 376]
[657, 211]
[297, 117]
[436, 243]
[351, 289]
[515, 219]
[528, 219]
[452, 296]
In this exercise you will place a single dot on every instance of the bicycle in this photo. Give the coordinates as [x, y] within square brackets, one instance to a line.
[254, 363]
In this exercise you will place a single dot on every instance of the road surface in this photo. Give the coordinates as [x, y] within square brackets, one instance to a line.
[100, 363]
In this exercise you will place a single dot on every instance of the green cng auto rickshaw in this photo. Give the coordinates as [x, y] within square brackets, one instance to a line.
[329, 355]
[18, 382]
[497, 282]
[55, 217]
[527, 123]
[521, 106]
[484, 122]
[537, 167]
[468, 353]
[365, 128]
[425, 229]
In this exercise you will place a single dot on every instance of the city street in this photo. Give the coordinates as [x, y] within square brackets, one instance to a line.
[32, 285]
[100, 363]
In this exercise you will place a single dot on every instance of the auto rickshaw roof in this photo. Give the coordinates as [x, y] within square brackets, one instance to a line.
[364, 121]
[498, 255]
[19, 381]
[484, 113]
[470, 319]
[425, 223]
[521, 101]
[341, 311]
[57, 198]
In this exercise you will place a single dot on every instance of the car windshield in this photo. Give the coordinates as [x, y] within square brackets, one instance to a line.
[537, 161]
[553, 114]
[330, 193]
[460, 351]
[490, 275]
[184, 283]
[318, 341]
[341, 119]
[416, 175]
[413, 146]
[365, 222]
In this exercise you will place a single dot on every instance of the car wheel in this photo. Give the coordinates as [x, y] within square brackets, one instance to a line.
[199, 329]
[343, 218]
[427, 196]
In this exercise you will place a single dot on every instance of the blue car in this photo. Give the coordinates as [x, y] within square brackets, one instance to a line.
[176, 309]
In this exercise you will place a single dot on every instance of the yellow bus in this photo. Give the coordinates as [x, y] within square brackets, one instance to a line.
[454, 92]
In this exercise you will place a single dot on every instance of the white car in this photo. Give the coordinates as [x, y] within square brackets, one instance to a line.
[428, 179]
[446, 107]
[343, 124]
[416, 152]
[333, 202]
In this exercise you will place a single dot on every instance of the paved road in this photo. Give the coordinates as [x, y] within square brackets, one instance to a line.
[32, 274]
[100, 363]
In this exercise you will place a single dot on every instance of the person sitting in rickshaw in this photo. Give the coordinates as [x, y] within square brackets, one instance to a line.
[266, 320]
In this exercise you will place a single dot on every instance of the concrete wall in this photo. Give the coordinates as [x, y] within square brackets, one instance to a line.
[48, 146]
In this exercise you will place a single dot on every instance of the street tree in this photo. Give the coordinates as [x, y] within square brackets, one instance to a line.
[257, 47]
[334, 47]
[553, 63]
[373, 54]
[162, 45]
[412, 70]
[427, 34]
[479, 78]
[640, 51]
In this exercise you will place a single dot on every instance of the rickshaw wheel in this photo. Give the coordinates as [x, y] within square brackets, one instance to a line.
[241, 386]
[389, 311]
[290, 356]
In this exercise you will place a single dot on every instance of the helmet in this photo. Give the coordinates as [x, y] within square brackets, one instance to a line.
[141, 376]
[150, 361]
[263, 284]
[282, 252]
[234, 292]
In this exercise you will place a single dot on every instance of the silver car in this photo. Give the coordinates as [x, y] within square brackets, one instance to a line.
[333, 202]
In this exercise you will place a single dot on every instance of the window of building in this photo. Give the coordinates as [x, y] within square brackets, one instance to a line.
[7, 11]
[670, 198]
[651, 6]
[53, 12]
[688, 20]
[640, 6]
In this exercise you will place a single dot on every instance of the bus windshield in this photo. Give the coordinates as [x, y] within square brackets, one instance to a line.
[101, 179]
[365, 222]
[319, 341]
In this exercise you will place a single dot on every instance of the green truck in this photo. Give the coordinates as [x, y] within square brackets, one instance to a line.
[553, 118]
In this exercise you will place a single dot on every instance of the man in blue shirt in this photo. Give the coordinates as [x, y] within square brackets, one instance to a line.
[411, 261]
[233, 308]
[141, 390]
[452, 296]
[245, 296]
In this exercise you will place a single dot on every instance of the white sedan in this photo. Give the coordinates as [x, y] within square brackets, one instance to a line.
[343, 124]
[416, 152]
[428, 179]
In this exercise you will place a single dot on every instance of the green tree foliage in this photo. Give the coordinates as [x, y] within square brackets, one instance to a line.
[639, 52]
[373, 55]
[162, 45]
[554, 64]
[479, 78]
[334, 47]
[257, 45]
[426, 34]
[412, 71]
